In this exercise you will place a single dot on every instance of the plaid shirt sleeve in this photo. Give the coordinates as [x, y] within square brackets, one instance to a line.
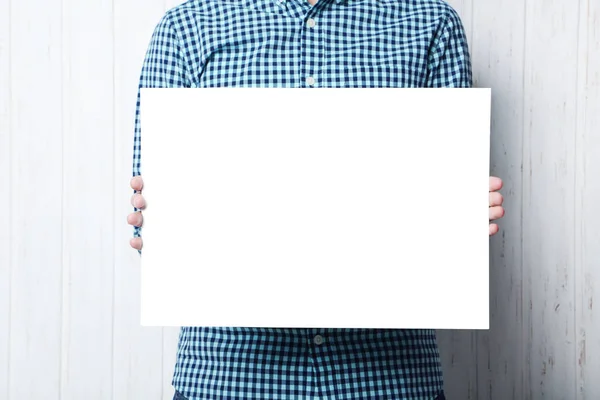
[164, 66]
[449, 63]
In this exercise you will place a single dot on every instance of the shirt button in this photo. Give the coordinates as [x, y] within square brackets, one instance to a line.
[311, 23]
[310, 81]
[318, 339]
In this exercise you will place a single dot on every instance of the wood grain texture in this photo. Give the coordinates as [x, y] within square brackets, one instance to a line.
[587, 220]
[169, 356]
[5, 197]
[138, 359]
[458, 350]
[497, 51]
[36, 190]
[69, 282]
[88, 251]
[550, 112]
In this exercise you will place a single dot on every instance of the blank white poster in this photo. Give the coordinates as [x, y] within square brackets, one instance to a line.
[342, 208]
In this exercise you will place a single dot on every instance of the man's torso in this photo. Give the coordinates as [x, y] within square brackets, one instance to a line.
[288, 43]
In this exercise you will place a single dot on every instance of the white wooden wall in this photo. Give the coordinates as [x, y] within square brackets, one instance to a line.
[69, 283]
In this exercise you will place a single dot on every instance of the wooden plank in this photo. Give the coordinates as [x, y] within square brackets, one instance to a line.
[88, 200]
[137, 363]
[170, 342]
[172, 3]
[5, 198]
[587, 218]
[458, 350]
[37, 213]
[548, 199]
[498, 63]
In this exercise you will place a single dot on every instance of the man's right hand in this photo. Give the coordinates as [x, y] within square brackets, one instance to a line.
[135, 218]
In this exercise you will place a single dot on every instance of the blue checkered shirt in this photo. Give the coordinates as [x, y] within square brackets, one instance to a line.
[289, 43]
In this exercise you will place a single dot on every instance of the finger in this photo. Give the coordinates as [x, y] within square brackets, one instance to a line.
[493, 229]
[496, 199]
[135, 219]
[496, 212]
[136, 243]
[137, 183]
[495, 183]
[138, 201]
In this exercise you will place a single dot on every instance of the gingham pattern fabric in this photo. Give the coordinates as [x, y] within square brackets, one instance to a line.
[289, 43]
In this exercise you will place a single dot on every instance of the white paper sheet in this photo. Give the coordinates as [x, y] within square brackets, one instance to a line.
[356, 208]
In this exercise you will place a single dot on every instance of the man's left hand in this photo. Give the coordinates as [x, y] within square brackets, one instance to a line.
[496, 200]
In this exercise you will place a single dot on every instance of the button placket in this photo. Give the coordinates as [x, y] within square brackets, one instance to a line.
[310, 48]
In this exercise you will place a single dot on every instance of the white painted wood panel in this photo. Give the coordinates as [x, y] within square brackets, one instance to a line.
[5, 197]
[458, 351]
[497, 52]
[69, 283]
[548, 198]
[88, 248]
[587, 218]
[36, 190]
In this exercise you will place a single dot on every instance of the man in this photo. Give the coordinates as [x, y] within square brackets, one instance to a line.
[305, 44]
